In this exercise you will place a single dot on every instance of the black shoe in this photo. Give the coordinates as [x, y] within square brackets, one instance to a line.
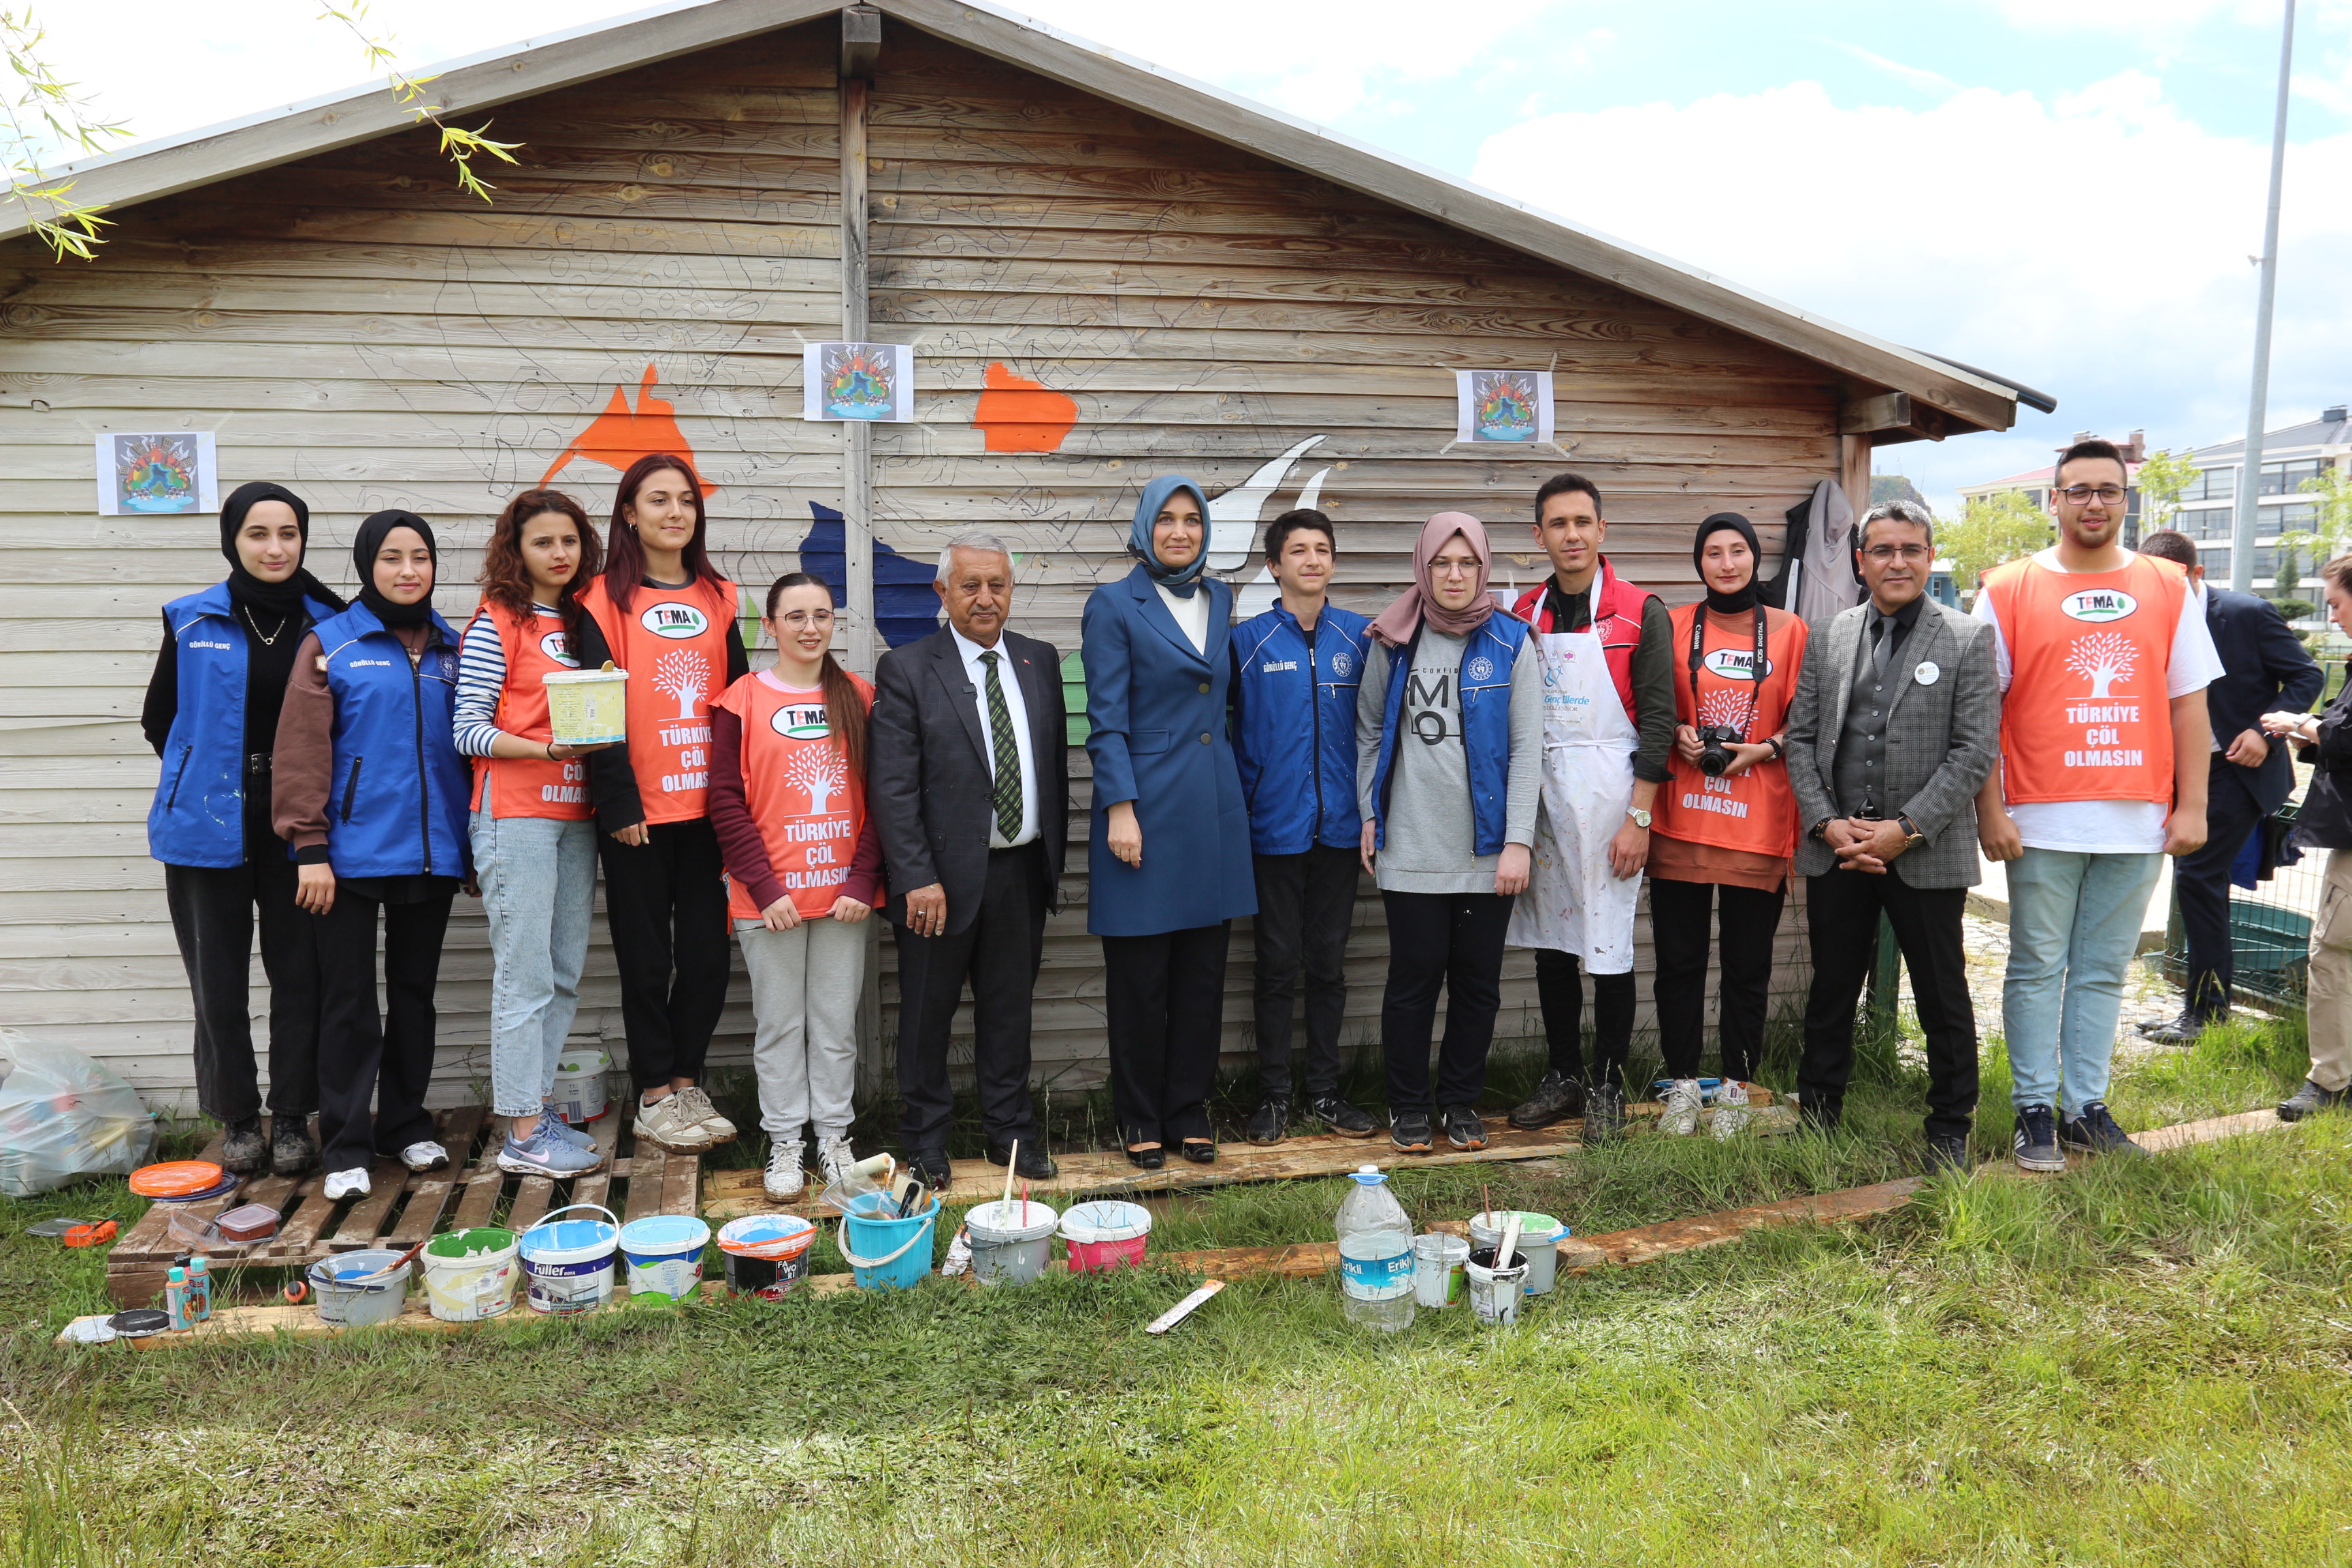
[1463, 1129]
[1409, 1132]
[1152, 1159]
[1340, 1116]
[1557, 1096]
[2035, 1143]
[1948, 1151]
[1819, 1116]
[1269, 1123]
[1604, 1115]
[1201, 1151]
[930, 1167]
[2309, 1099]
[243, 1148]
[2180, 1031]
[2095, 1132]
[1035, 1163]
[291, 1150]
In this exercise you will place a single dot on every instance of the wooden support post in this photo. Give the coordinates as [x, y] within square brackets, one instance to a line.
[1854, 473]
[856, 435]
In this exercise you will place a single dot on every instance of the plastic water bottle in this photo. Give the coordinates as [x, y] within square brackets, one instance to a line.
[1375, 1254]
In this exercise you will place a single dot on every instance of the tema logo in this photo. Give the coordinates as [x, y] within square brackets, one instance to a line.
[557, 647]
[800, 721]
[1732, 663]
[2098, 604]
[676, 622]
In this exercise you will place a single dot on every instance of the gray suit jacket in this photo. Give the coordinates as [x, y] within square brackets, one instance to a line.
[1942, 739]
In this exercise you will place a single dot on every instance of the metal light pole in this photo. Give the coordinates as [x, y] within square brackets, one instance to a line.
[2250, 477]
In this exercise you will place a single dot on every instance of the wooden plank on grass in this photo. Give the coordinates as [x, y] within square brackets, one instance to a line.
[478, 1202]
[428, 1194]
[364, 1220]
[594, 1187]
[648, 1166]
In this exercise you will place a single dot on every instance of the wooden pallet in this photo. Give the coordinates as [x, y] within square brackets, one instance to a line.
[404, 1208]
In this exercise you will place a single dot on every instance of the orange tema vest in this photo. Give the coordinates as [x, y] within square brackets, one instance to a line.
[673, 643]
[535, 646]
[2088, 714]
[1756, 810]
[809, 806]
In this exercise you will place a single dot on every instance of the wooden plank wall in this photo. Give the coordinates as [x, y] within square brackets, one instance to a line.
[351, 326]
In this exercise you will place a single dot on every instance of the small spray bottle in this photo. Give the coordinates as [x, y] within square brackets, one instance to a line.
[175, 1296]
[200, 1289]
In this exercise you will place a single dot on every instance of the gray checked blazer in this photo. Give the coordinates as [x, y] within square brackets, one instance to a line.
[1942, 738]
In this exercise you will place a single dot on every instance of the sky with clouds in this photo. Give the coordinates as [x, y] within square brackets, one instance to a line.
[2066, 192]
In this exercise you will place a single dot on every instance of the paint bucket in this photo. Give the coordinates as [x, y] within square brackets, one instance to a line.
[1437, 1261]
[469, 1275]
[588, 706]
[665, 1256]
[887, 1253]
[355, 1306]
[580, 1085]
[567, 1265]
[1540, 1239]
[767, 1254]
[1495, 1292]
[1010, 1241]
[1105, 1233]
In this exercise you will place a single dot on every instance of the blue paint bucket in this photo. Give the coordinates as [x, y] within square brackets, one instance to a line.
[568, 1264]
[664, 1253]
[887, 1253]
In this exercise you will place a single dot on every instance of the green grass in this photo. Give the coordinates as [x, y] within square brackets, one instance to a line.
[2146, 1361]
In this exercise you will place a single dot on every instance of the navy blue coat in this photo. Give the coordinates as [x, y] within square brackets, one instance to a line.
[1157, 710]
[2264, 669]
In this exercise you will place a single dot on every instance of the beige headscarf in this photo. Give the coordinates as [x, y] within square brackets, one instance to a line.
[1397, 624]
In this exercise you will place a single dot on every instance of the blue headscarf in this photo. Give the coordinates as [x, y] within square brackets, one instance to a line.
[1179, 580]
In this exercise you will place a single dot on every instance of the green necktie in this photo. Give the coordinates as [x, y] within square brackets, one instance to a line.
[1006, 791]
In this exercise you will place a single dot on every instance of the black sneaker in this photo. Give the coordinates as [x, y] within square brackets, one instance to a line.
[1269, 1123]
[1557, 1096]
[1410, 1132]
[1035, 1164]
[1340, 1116]
[2308, 1098]
[2180, 1031]
[930, 1167]
[1948, 1151]
[1463, 1129]
[2035, 1143]
[291, 1150]
[1818, 1116]
[2095, 1132]
[243, 1148]
[1604, 1114]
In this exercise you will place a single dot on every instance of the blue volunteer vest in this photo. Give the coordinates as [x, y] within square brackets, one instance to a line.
[397, 803]
[1295, 729]
[1485, 684]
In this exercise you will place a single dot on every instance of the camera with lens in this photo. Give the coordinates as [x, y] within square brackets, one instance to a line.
[1713, 759]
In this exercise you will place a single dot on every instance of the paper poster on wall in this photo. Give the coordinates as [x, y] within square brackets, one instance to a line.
[166, 471]
[1501, 405]
[858, 381]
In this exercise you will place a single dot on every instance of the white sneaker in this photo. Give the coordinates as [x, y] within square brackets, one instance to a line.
[1680, 1119]
[1730, 1107]
[424, 1155]
[833, 1157]
[785, 1179]
[698, 1104]
[350, 1183]
[670, 1124]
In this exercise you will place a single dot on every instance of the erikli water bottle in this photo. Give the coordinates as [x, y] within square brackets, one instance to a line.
[1375, 1254]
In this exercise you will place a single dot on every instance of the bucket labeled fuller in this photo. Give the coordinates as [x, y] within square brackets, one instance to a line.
[580, 1085]
[887, 1253]
[567, 1264]
[343, 1300]
[1495, 1292]
[470, 1274]
[1105, 1233]
[588, 706]
[664, 1252]
[1010, 1241]
[1539, 1238]
[767, 1254]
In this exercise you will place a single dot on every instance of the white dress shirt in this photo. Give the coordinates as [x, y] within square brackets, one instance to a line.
[1191, 615]
[1009, 679]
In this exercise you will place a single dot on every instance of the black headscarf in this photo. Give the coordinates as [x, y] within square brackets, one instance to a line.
[250, 593]
[1744, 600]
[367, 541]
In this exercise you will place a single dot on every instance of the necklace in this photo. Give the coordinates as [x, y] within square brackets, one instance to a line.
[268, 639]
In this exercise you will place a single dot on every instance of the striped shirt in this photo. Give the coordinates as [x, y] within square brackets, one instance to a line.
[481, 678]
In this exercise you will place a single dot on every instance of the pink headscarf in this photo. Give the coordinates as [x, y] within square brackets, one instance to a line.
[1396, 625]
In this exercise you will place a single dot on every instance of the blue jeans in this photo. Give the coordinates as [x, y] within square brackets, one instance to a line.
[2073, 924]
[538, 887]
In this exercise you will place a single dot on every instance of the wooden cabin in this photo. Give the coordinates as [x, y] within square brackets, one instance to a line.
[1106, 273]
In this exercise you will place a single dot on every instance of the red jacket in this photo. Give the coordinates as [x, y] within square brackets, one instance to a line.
[1617, 608]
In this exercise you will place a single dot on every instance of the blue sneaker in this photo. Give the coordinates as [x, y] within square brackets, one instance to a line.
[550, 1122]
[545, 1154]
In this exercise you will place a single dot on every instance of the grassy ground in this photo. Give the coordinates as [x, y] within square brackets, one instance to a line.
[2145, 1362]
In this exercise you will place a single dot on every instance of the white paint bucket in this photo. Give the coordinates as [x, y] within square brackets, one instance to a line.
[470, 1274]
[588, 706]
[568, 1264]
[580, 1085]
[1437, 1262]
[343, 1300]
[1010, 1241]
[1495, 1292]
[1539, 1238]
[664, 1252]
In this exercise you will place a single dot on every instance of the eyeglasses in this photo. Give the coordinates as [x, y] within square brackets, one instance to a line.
[799, 618]
[1883, 553]
[2083, 495]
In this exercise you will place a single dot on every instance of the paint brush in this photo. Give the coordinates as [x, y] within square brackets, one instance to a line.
[1011, 1169]
[1183, 1309]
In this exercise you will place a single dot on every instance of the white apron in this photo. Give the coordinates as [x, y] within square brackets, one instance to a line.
[1574, 903]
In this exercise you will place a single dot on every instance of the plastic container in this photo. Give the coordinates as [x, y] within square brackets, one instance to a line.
[470, 1274]
[1495, 1292]
[1375, 1254]
[664, 1253]
[580, 1085]
[357, 1306]
[567, 1265]
[887, 1253]
[1010, 1241]
[1540, 1239]
[767, 1254]
[249, 1223]
[1105, 1233]
[1437, 1261]
[588, 706]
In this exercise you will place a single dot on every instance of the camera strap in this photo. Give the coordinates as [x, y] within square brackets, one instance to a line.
[1756, 670]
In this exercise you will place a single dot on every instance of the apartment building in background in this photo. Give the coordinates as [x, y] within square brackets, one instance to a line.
[2290, 456]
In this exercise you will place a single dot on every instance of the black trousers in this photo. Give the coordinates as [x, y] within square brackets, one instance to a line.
[1453, 941]
[213, 911]
[1306, 903]
[1678, 928]
[2202, 883]
[1165, 997]
[1561, 992]
[1842, 908]
[998, 953]
[665, 903]
[363, 1055]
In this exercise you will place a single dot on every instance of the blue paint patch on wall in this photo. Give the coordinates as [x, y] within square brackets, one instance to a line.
[906, 606]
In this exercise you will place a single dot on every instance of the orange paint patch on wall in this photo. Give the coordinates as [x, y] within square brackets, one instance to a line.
[1018, 414]
[620, 435]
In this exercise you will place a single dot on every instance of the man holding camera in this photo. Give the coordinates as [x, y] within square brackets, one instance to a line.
[1895, 724]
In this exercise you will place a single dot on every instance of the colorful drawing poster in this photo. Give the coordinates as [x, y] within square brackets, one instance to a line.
[858, 381]
[1501, 405]
[168, 471]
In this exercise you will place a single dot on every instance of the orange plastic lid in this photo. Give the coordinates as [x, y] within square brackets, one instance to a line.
[175, 1178]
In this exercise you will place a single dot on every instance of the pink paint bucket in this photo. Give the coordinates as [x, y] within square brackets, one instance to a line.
[1105, 1234]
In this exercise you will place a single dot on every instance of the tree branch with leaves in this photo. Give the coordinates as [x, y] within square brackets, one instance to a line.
[1991, 530]
[35, 107]
[459, 145]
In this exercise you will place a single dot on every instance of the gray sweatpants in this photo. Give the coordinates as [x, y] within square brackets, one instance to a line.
[805, 985]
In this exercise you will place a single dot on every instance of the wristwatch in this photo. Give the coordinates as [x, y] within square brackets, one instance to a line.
[1641, 818]
[1815, 833]
[1911, 834]
[1779, 750]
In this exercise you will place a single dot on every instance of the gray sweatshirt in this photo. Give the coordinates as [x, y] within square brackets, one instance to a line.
[1429, 819]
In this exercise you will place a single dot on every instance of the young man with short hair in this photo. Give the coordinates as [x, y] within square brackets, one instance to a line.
[1296, 671]
[2103, 659]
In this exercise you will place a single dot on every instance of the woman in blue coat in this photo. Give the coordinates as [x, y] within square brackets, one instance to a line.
[1169, 860]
